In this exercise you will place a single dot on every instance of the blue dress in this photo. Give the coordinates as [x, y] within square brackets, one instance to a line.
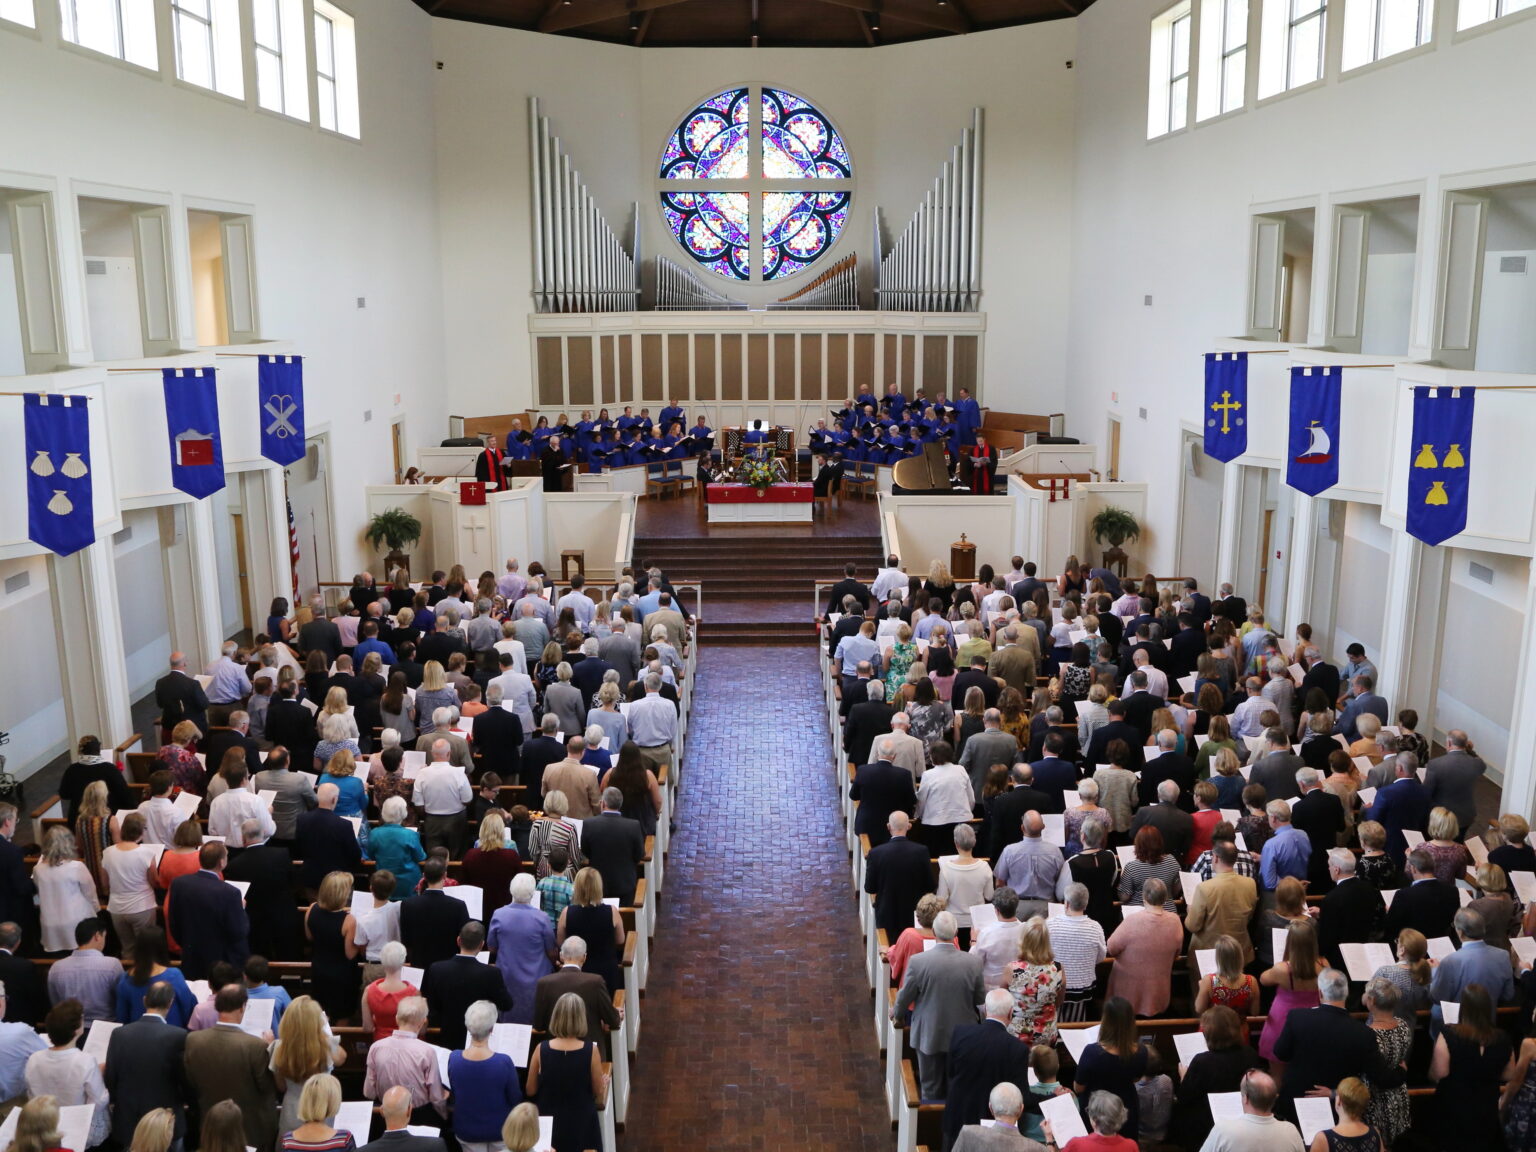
[565, 1093]
[130, 998]
[484, 1091]
[522, 938]
[352, 801]
[398, 849]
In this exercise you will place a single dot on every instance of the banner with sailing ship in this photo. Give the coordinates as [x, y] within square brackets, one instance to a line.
[1312, 459]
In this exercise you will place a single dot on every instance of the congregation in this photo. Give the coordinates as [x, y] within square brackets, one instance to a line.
[1143, 871]
[384, 883]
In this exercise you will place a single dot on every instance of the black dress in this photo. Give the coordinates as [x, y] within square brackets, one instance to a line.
[1215, 1070]
[1467, 1100]
[565, 1093]
[594, 924]
[335, 980]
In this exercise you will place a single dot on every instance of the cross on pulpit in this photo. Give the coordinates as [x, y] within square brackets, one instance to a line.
[1226, 407]
[473, 524]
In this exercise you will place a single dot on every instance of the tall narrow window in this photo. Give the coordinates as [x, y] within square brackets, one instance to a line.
[19, 12]
[1169, 73]
[208, 44]
[1293, 44]
[1223, 57]
[281, 82]
[1376, 29]
[121, 28]
[336, 69]
[1474, 12]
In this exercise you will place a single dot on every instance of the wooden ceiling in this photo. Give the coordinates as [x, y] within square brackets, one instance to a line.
[755, 23]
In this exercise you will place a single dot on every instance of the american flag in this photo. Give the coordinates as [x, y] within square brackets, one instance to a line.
[293, 550]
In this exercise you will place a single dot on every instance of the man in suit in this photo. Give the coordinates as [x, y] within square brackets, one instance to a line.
[1189, 644]
[1140, 705]
[1351, 913]
[577, 780]
[1234, 608]
[25, 999]
[430, 922]
[1276, 769]
[1006, 1104]
[1024, 590]
[1008, 809]
[1176, 825]
[587, 676]
[1116, 729]
[1402, 805]
[320, 633]
[180, 697]
[16, 888]
[1320, 674]
[982, 1056]
[620, 651]
[602, 1017]
[325, 841]
[1223, 905]
[988, 747]
[290, 725]
[907, 751]
[1168, 765]
[614, 844]
[395, 1107]
[1323, 1045]
[1362, 700]
[498, 736]
[1452, 779]
[848, 624]
[269, 902]
[848, 586]
[865, 722]
[1426, 902]
[945, 985]
[237, 735]
[1199, 602]
[897, 874]
[145, 1067]
[880, 788]
[452, 985]
[1017, 660]
[1055, 773]
[206, 915]
[976, 676]
[855, 688]
[1320, 815]
[538, 754]
[225, 1062]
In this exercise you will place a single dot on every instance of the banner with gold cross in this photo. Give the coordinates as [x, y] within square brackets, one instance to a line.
[1226, 405]
[1439, 470]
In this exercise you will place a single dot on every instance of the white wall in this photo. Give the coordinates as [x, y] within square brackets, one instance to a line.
[141, 591]
[1362, 576]
[898, 127]
[1483, 625]
[34, 707]
[1388, 303]
[1506, 330]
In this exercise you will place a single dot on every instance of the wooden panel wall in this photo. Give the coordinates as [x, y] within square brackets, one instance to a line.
[784, 366]
[757, 366]
[731, 344]
[704, 380]
[551, 391]
[678, 369]
[578, 367]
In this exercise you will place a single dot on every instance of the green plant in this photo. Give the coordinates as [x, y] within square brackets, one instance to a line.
[395, 527]
[1115, 525]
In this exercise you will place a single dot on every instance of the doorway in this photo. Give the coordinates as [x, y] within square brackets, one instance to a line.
[1112, 457]
[1200, 484]
[397, 447]
[242, 576]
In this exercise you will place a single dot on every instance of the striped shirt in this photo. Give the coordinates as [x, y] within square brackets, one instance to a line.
[1138, 872]
[1078, 945]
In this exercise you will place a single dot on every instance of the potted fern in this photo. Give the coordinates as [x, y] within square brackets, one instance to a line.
[397, 528]
[1114, 526]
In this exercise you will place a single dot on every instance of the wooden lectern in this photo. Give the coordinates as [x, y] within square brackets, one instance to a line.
[962, 559]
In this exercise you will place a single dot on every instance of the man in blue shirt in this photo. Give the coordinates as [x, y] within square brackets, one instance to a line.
[1475, 963]
[651, 600]
[372, 643]
[1287, 852]
[1362, 700]
[257, 988]
[17, 1042]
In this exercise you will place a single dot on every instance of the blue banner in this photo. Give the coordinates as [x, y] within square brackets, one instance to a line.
[192, 421]
[1441, 465]
[60, 512]
[280, 405]
[1312, 464]
[1226, 405]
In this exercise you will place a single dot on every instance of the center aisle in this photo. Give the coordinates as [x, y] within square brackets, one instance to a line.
[757, 1028]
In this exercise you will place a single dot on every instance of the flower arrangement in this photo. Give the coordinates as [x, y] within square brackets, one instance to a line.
[760, 473]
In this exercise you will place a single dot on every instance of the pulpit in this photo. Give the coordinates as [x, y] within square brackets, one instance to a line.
[962, 559]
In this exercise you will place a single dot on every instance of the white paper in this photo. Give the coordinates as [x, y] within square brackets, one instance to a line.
[1413, 838]
[422, 1129]
[546, 1134]
[1061, 1112]
[1126, 853]
[74, 1126]
[266, 796]
[355, 1116]
[1077, 1039]
[1363, 763]
[1298, 673]
[97, 1038]
[1478, 849]
[412, 975]
[1256, 744]
[1423, 773]
[158, 849]
[412, 764]
[1245, 771]
[1053, 909]
[1189, 1045]
[984, 916]
[356, 822]
[187, 804]
[1231, 815]
[513, 1040]
[1071, 798]
[200, 989]
[1187, 683]
[1361, 961]
[1525, 948]
[1226, 1106]
[240, 886]
[1277, 938]
[1386, 896]
[442, 1055]
[1131, 909]
[362, 904]
[1367, 797]
[1314, 1114]
[1450, 1011]
[1188, 882]
[1441, 946]
[1525, 886]
[473, 897]
[1205, 961]
[258, 1016]
[1055, 830]
[312, 777]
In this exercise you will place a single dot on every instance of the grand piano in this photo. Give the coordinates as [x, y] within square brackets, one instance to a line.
[928, 474]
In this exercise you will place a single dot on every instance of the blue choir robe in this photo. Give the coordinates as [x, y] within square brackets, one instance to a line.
[949, 432]
[845, 418]
[625, 423]
[700, 433]
[855, 450]
[669, 414]
[894, 404]
[654, 449]
[864, 398]
[821, 440]
[968, 416]
[929, 433]
[541, 439]
[754, 436]
[517, 449]
[585, 436]
[676, 449]
[644, 423]
[631, 454]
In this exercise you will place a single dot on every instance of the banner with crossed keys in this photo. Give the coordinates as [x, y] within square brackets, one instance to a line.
[280, 406]
[61, 512]
[1440, 470]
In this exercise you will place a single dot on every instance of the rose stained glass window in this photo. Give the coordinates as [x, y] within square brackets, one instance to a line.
[755, 184]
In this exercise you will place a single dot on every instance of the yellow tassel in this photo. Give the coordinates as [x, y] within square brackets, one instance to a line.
[1454, 458]
[1436, 494]
[1426, 458]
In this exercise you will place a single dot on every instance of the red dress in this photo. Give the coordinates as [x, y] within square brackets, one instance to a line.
[384, 1004]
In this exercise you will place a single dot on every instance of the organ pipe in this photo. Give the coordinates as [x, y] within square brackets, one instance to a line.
[935, 263]
[579, 264]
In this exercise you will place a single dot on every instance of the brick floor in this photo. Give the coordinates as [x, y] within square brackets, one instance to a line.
[757, 1031]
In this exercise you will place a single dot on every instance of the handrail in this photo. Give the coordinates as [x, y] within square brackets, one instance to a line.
[127, 745]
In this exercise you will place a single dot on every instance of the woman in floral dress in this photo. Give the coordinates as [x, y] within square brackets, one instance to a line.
[1038, 985]
[902, 655]
[931, 718]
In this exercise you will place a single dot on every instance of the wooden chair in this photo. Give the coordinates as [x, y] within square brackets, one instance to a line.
[860, 477]
[675, 473]
[659, 478]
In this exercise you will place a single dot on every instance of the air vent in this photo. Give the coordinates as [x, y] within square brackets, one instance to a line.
[1515, 264]
[124, 536]
[99, 268]
[1480, 571]
[16, 583]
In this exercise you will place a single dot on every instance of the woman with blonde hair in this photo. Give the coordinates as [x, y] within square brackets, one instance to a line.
[154, 1131]
[1229, 986]
[319, 1101]
[1496, 905]
[552, 830]
[340, 769]
[1226, 775]
[1443, 843]
[1352, 1099]
[434, 692]
[96, 830]
[491, 863]
[329, 926]
[304, 1047]
[565, 1076]
[969, 718]
[178, 758]
[599, 924]
[521, 1131]
[37, 1127]
[606, 715]
[1038, 985]
[1092, 714]
[336, 705]
[940, 585]
[66, 890]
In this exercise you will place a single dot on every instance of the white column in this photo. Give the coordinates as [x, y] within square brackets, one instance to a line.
[89, 629]
[1299, 557]
[192, 581]
[1399, 619]
[1230, 529]
[1520, 761]
[263, 498]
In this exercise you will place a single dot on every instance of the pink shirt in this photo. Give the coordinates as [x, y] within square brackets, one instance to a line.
[404, 1059]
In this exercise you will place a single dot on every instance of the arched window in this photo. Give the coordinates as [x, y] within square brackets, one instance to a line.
[755, 183]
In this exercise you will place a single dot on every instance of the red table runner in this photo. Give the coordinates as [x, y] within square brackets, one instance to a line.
[746, 494]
